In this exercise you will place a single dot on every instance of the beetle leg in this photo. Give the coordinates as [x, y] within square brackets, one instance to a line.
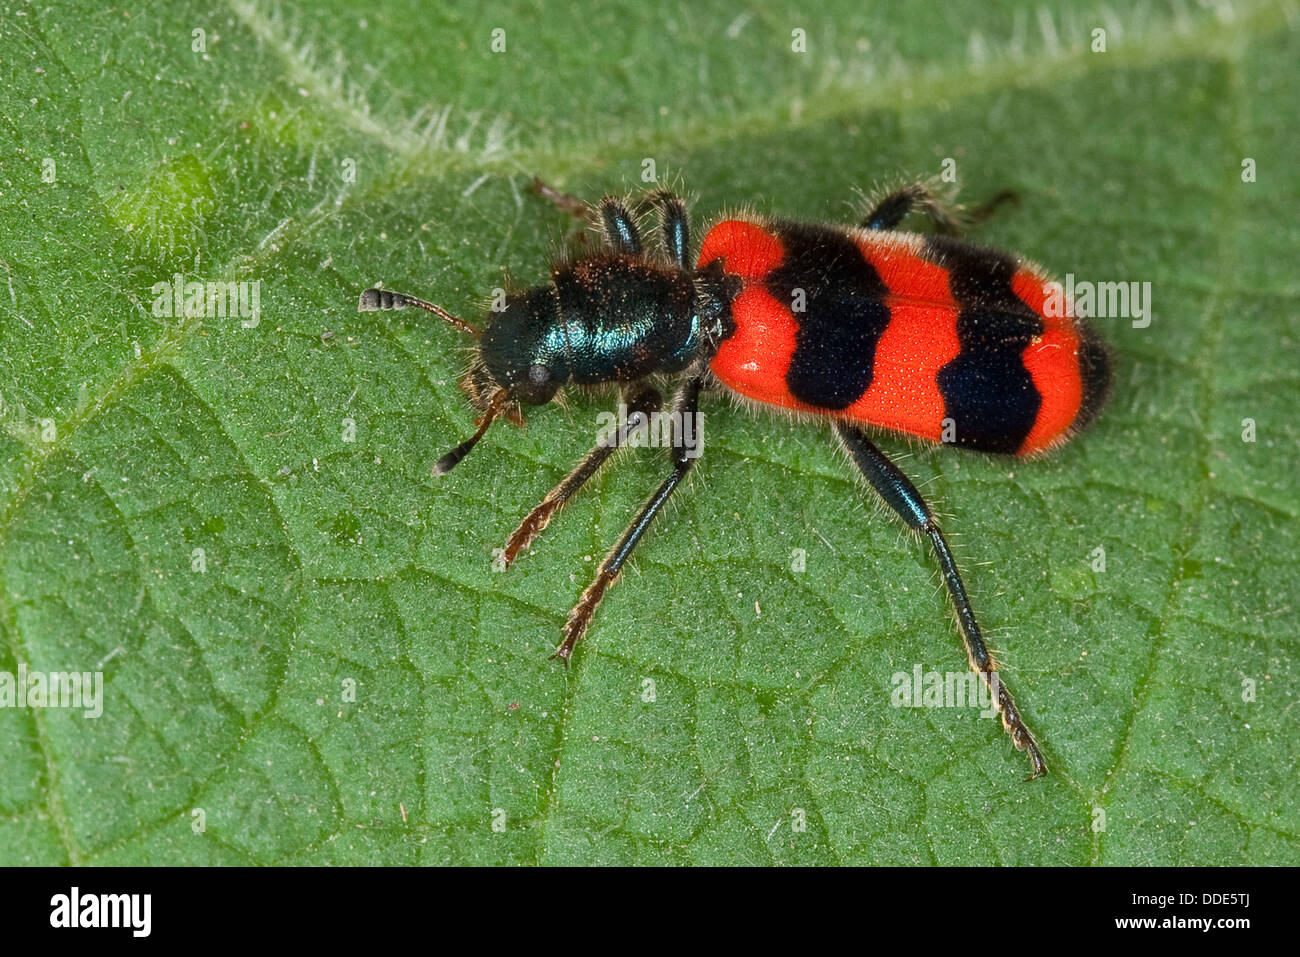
[643, 402]
[685, 451]
[948, 218]
[902, 496]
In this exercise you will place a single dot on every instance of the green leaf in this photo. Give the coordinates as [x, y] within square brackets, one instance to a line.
[306, 655]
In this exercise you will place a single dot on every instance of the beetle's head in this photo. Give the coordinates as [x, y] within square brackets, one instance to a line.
[519, 359]
[523, 349]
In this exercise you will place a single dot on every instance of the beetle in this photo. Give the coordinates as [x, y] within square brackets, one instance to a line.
[926, 335]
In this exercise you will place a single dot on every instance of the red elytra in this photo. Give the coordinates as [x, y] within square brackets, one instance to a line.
[919, 339]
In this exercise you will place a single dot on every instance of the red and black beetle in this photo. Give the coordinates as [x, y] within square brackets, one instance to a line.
[850, 326]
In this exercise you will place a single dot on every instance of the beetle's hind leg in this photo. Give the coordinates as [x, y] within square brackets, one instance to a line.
[640, 405]
[902, 496]
[948, 217]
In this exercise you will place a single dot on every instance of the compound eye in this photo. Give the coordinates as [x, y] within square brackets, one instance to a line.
[537, 386]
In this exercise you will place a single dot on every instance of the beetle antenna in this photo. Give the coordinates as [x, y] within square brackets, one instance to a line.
[453, 458]
[373, 300]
